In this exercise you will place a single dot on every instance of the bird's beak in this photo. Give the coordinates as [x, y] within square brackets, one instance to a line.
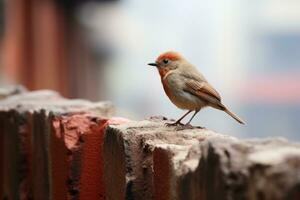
[152, 64]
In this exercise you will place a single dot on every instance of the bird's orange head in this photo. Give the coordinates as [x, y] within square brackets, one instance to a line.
[166, 62]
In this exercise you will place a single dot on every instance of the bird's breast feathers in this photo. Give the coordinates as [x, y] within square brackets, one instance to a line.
[164, 72]
[173, 85]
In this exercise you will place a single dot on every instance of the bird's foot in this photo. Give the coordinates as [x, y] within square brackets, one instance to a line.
[184, 126]
[187, 126]
[173, 124]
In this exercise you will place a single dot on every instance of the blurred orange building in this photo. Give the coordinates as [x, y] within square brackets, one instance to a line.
[44, 47]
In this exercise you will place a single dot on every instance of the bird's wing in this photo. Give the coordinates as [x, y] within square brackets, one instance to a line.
[203, 90]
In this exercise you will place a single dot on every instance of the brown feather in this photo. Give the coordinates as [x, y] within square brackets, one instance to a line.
[208, 89]
[203, 90]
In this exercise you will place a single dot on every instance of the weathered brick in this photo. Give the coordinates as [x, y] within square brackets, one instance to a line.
[138, 148]
[78, 139]
[152, 161]
[55, 148]
[26, 129]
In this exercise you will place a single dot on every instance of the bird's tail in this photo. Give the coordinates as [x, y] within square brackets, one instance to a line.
[234, 116]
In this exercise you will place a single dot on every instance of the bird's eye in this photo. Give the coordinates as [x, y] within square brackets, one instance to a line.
[166, 61]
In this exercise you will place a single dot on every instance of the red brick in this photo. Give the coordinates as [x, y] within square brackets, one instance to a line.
[163, 173]
[76, 157]
[140, 158]
[26, 138]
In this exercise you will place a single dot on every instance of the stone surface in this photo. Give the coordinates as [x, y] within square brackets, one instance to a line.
[56, 148]
[244, 170]
[148, 160]
[30, 157]
[76, 150]
[137, 149]
[11, 90]
[51, 101]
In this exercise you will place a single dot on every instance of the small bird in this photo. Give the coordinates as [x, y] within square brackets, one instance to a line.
[186, 87]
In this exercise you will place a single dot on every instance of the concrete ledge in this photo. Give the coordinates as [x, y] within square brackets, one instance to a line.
[11, 90]
[51, 146]
[147, 160]
[56, 148]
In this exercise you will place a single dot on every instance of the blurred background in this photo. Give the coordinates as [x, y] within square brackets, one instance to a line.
[98, 50]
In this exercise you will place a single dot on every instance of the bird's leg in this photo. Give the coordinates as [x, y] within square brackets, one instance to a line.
[178, 121]
[188, 124]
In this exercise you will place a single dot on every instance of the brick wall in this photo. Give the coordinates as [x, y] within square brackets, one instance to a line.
[56, 148]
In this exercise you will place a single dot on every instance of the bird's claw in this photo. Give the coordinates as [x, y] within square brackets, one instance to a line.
[184, 126]
[179, 126]
[188, 126]
[173, 124]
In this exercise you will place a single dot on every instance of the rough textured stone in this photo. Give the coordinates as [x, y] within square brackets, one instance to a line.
[137, 149]
[254, 169]
[76, 150]
[51, 101]
[11, 90]
[26, 125]
[55, 148]
[147, 160]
